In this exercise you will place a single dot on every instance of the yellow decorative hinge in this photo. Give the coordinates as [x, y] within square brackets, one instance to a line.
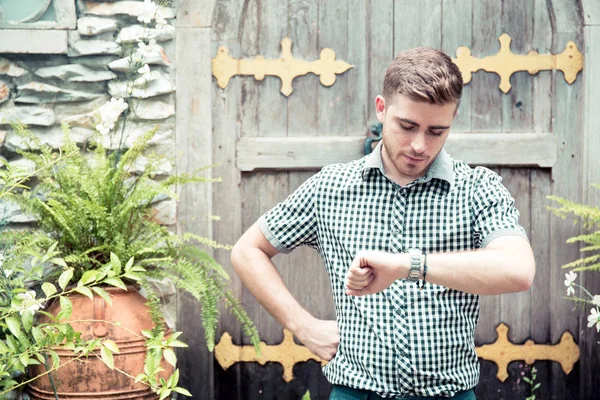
[505, 62]
[287, 353]
[224, 67]
[502, 352]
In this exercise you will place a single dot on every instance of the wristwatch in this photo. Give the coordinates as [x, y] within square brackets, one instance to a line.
[416, 262]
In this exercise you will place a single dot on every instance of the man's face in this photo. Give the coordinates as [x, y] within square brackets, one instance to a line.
[413, 135]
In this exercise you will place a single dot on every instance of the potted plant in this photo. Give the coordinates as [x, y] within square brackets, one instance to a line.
[96, 244]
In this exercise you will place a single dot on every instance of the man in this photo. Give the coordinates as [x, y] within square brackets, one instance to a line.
[409, 237]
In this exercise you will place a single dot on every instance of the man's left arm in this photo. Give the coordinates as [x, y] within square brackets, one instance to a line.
[502, 263]
[505, 265]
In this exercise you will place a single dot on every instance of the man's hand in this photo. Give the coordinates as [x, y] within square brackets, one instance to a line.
[321, 337]
[373, 271]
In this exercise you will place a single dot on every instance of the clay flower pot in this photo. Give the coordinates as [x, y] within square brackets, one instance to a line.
[90, 378]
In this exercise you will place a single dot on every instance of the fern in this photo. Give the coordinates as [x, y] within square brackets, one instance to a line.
[93, 203]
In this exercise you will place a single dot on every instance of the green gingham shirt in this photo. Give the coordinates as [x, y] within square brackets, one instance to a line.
[402, 341]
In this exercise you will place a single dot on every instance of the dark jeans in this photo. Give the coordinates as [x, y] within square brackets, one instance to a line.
[346, 393]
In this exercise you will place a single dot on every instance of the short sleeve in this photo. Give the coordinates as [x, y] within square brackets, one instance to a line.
[292, 223]
[493, 209]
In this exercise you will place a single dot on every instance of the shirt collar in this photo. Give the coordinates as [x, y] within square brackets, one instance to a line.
[441, 168]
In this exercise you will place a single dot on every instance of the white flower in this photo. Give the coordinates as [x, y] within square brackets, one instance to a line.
[145, 70]
[160, 20]
[149, 11]
[146, 50]
[594, 319]
[29, 302]
[596, 300]
[109, 114]
[8, 272]
[569, 279]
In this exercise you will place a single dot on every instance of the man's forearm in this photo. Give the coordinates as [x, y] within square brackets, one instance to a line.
[505, 265]
[259, 275]
[488, 271]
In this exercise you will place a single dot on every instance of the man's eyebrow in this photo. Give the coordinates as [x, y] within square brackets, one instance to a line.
[410, 122]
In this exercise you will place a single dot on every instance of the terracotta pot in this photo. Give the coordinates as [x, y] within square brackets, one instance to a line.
[90, 378]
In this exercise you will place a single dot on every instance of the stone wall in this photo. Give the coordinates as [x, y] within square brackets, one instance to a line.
[44, 91]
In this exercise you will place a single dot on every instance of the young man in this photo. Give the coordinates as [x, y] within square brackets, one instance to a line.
[409, 237]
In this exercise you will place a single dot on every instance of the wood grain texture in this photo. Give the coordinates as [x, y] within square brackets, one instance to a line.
[540, 188]
[380, 47]
[591, 12]
[194, 13]
[333, 33]
[358, 102]
[304, 152]
[568, 126]
[193, 142]
[589, 337]
[456, 32]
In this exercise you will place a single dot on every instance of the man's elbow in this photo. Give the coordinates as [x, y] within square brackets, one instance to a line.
[523, 279]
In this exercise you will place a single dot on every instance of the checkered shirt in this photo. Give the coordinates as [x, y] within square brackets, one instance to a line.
[402, 341]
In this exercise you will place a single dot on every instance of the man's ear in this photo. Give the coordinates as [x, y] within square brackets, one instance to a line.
[380, 108]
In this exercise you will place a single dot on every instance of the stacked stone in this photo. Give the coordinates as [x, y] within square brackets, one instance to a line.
[44, 92]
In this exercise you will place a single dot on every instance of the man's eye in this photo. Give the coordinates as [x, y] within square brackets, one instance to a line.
[436, 133]
[407, 128]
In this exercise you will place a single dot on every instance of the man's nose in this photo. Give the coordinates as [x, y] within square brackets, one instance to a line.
[418, 144]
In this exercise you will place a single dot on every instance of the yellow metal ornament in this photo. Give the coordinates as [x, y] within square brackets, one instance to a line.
[224, 67]
[505, 62]
[501, 352]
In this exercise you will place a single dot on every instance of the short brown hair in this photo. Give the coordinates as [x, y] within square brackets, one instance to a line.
[424, 74]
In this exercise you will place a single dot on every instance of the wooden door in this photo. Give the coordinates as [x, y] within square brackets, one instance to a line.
[267, 144]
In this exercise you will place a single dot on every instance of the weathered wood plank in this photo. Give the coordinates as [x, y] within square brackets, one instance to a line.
[591, 166]
[515, 308]
[591, 12]
[226, 20]
[33, 42]
[456, 32]
[517, 149]
[195, 13]
[567, 126]
[381, 51]
[357, 99]
[333, 16]
[302, 108]
[427, 15]
[540, 188]
[194, 127]
[486, 116]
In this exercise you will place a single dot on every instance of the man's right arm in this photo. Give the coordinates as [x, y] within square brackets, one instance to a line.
[251, 258]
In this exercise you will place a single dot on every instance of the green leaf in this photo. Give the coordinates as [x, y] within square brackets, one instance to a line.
[129, 264]
[14, 325]
[107, 357]
[24, 358]
[183, 391]
[147, 333]
[88, 277]
[27, 320]
[116, 263]
[102, 293]
[112, 346]
[164, 393]
[65, 278]
[306, 395]
[66, 307]
[526, 379]
[170, 356]
[537, 385]
[132, 275]
[59, 261]
[85, 291]
[115, 282]
[49, 289]
[177, 343]
[54, 357]
[4, 348]
[37, 334]
[138, 268]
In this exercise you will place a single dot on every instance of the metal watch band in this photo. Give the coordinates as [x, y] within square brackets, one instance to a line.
[416, 261]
